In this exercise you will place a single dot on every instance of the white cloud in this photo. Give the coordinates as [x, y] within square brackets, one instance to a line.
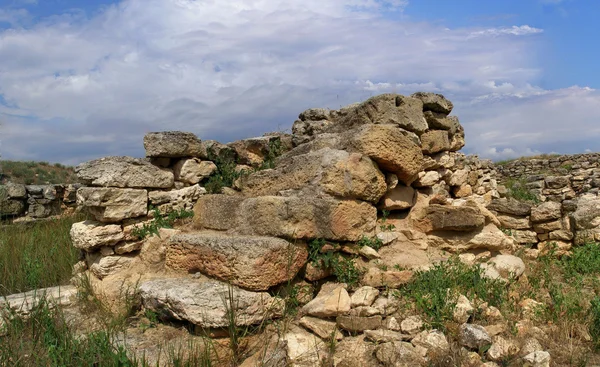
[78, 88]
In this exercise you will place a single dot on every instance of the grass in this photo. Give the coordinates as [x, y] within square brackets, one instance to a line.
[516, 188]
[36, 255]
[344, 268]
[36, 173]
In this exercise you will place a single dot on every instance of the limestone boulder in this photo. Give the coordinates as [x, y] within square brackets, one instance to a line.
[454, 218]
[587, 214]
[176, 200]
[434, 102]
[306, 217]
[334, 172]
[488, 238]
[377, 278]
[332, 300]
[250, 262]
[303, 349]
[508, 266]
[90, 235]
[206, 303]
[435, 141]
[513, 222]
[546, 212]
[109, 265]
[172, 144]
[253, 151]
[193, 170]
[124, 172]
[24, 303]
[399, 198]
[510, 206]
[389, 148]
[111, 205]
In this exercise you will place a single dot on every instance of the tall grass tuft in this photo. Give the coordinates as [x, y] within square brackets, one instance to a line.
[36, 255]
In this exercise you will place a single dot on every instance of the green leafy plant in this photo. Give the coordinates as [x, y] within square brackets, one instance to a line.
[384, 217]
[343, 268]
[516, 188]
[160, 221]
[374, 242]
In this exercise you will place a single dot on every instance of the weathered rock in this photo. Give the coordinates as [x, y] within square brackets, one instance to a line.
[474, 336]
[510, 206]
[322, 328]
[172, 144]
[330, 302]
[524, 237]
[453, 218]
[303, 348]
[359, 323]
[530, 345]
[438, 121]
[537, 359]
[124, 172]
[377, 278]
[253, 151]
[434, 102]
[364, 296]
[389, 148]
[560, 235]
[489, 238]
[206, 303]
[427, 179]
[193, 170]
[108, 265]
[398, 354]
[250, 262]
[128, 247]
[314, 273]
[411, 325]
[545, 212]
[292, 217]
[386, 306]
[13, 191]
[508, 266]
[556, 182]
[90, 235]
[24, 303]
[588, 213]
[113, 204]
[435, 141]
[176, 200]
[433, 340]
[9, 207]
[548, 226]
[502, 349]
[512, 222]
[399, 198]
[335, 172]
[462, 310]
[385, 336]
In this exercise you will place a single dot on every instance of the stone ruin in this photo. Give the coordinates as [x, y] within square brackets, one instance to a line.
[32, 202]
[387, 170]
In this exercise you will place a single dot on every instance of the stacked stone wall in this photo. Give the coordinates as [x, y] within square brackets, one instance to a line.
[30, 202]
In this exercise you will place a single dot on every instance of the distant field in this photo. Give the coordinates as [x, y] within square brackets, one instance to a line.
[36, 173]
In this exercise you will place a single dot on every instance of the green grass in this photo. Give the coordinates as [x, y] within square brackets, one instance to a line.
[36, 255]
[517, 189]
[36, 173]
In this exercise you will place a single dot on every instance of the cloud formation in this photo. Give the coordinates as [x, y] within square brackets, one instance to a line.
[73, 88]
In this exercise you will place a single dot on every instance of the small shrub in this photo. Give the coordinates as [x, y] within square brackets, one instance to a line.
[160, 221]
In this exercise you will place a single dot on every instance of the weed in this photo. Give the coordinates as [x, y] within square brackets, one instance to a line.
[343, 268]
[159, 221]
[374, 242]
[384, 217]
[517, 189]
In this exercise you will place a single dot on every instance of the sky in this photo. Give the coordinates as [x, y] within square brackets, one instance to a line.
[83, 79]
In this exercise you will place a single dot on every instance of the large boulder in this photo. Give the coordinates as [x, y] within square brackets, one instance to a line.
[389, 148]
[250, 262]
[434, 102]
[208, 304]
[305, 217]
[111, 205]
[193, 170]
[124, 172]
[90, 235]
[454, 218]
[172, 144]
[435, 141]
[335, 172]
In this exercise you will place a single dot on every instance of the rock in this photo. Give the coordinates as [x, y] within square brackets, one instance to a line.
[334, 172]
[438, 121]
[502, 349]
[385, 336]
[303, 348]
[250, 262]
[510, 206]
[176, 200]
[13, 191]
[530, 345]
[368, 253]
[385, 306]
[124, 172]
[427, 179]
[358, 323]
[389, 148]
[23, 303]
[463, 191]
[354, 351]
[272, 352]
[587, 213]
[108, 265]
[315, 114]
[113, 204]
[537, 359]
[399, 198]
[530, 308]
[322, 328]
[545, 212]
[508, 266]
[560, 235]
[128, 247]
[314, 273]
[291, 217]
[387, 237]
[330, 302]
[548, 226]
[253, 151]
[556, 182]
[474, 336]
[433, 340]
[193, 170]
[435, 141]
[524, 237]
[454, 218]
[377, 278]
[363, 296]
[489, 238]
[9, 207]
[411, 325]
[398, 354]
[513, 222]
[434, 102]
[90, 235]
[172, 144]
[462, 310]
[392, 324]
[206, 303]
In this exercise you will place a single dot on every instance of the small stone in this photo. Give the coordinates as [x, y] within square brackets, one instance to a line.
[323, 328]
[530, 345]
[432, 340]
[358, 323]
[330, 302]
[364, 296]
[537, 359]
[411, 325]
[474, 336]
[385, 305]
[368, 253]
[501, 349]
[392, 324]
[385, 336]
[462, 310]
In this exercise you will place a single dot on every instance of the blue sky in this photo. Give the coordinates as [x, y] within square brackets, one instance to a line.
[85, 79]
